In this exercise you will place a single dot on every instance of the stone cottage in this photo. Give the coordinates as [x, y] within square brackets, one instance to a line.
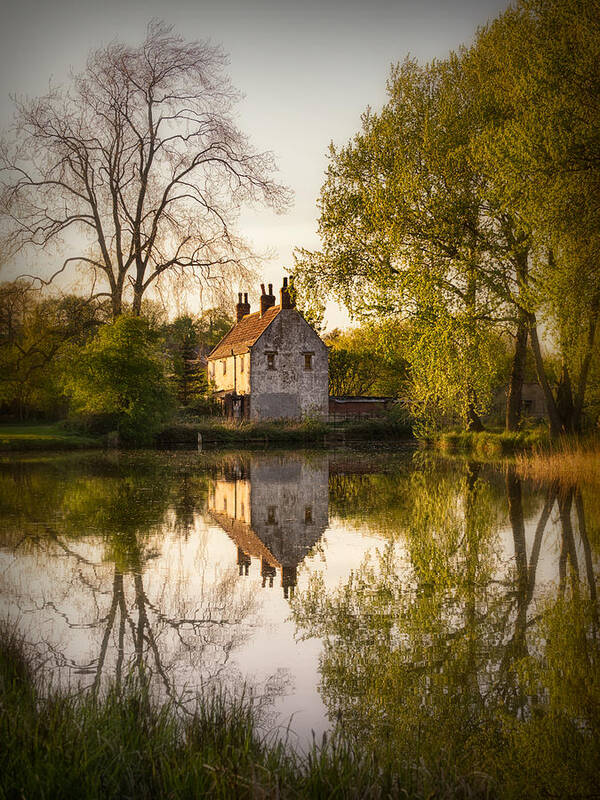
[271, 364]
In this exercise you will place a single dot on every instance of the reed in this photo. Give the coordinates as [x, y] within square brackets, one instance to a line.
[570, 461]
[125, 744]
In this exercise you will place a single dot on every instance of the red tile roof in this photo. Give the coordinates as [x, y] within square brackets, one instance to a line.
[244, 333]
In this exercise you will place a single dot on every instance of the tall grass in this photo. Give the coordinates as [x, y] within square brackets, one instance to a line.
[490, 443]
[570, 461]
[125, 744]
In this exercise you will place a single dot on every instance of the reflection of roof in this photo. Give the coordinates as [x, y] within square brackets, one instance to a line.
[243, 535]
[245, 333]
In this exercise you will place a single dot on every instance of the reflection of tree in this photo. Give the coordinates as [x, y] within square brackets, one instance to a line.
[98, 528]
[427, 648]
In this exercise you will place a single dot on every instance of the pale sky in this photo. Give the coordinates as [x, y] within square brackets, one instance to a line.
[307, 70]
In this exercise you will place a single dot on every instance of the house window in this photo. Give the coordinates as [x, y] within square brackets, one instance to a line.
[224, 367]
[270, 360]
[308, 363]
[308, 515]
[271, 515]
[241, 363]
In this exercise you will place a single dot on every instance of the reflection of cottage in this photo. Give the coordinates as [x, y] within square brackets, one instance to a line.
[271, 364]
[275, 511]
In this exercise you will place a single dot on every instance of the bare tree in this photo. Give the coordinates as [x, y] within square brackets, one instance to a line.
[137, 170]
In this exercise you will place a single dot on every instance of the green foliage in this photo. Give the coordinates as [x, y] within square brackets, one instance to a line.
[38, 335]
[188, 375]
[536, 70]
[468, 206]
[212, 326]
[368, 360]
[119, 379]
[188, 340]
[404, 234]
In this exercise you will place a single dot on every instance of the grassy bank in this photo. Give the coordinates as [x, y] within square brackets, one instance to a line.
[569, 462]
[49, 436]
[489, 444]
[224, 432]
[126, 745]
[213, 430]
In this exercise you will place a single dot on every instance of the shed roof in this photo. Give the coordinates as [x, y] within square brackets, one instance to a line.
[244, 333]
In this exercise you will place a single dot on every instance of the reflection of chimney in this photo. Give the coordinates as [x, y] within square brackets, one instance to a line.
[267, 571]
[243, 561]
[288, 580]
[242, 308]
[286, 299]
[266, 300]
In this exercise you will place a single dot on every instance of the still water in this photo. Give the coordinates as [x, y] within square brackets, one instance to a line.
[390, 594]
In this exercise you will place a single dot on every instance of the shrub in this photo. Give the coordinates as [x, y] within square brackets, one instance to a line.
[119, 383]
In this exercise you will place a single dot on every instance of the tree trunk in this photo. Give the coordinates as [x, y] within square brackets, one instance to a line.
[514, 397]
[553, 415]
[585, 366]
[564, 401]
[137, 304]
[117, 305]
[474, 422]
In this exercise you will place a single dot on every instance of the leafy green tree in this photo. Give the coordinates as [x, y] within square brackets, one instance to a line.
[537, 66]
[119, 377]
[188, 340]
[37, 336]
[408, 233]
[367, 360]
[213, 324]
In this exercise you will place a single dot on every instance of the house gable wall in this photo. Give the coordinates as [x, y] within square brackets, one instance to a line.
[289, 390]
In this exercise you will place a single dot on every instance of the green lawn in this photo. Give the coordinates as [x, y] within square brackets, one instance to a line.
[28, 436]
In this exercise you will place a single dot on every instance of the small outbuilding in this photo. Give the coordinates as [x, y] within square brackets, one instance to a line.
[272, 364]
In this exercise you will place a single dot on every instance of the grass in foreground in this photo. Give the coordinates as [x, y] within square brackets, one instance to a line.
[570, 462]
[126, 745]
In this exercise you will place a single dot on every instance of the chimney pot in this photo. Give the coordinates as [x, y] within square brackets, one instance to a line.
[286, 300]
[266, 300]
[246, 298]
[242, 309]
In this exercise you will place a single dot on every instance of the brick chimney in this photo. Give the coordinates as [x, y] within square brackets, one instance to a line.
[242, 308]
[286, 299]
[266, 300]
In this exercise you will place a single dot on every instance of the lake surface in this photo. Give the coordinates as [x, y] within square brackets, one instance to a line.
[401, 598]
